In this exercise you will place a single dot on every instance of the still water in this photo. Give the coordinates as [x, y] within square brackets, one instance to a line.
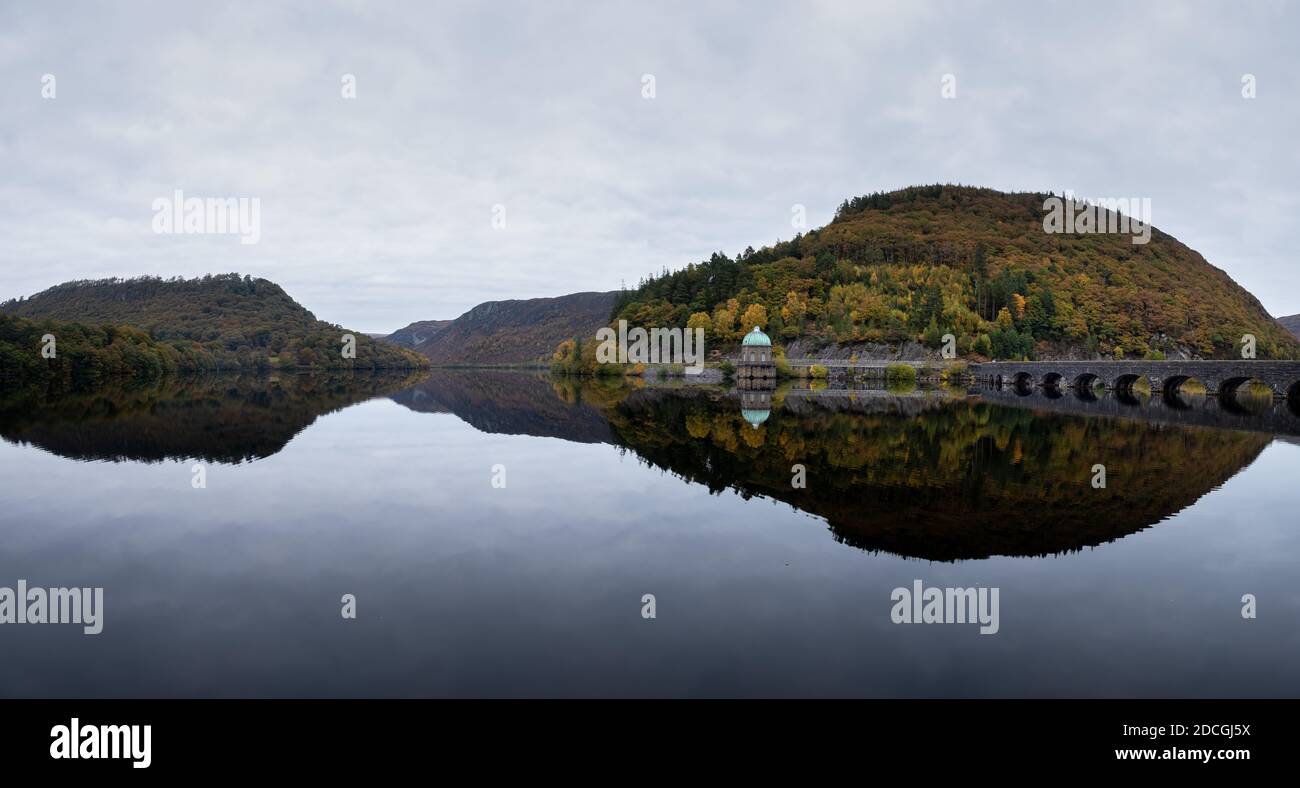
[383, 488]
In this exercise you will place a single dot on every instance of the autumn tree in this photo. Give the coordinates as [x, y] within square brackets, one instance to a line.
[700, 320]
[755, 315]
[1018, 304]
[1004, 318]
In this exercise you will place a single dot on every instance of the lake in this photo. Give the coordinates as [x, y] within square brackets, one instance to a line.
[500, 533]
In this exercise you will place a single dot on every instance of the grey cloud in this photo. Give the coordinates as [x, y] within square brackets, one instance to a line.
[376, 212]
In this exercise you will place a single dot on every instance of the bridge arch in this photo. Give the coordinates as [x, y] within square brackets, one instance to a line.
[1022, 383]
[1126, 382]
[1239, 394]
[1088, 380]
[1125, 389]
[1293, 398]
[1170, 385]
[1231, 385]
[1085, 386]
[1171, 391]
[1235, 384]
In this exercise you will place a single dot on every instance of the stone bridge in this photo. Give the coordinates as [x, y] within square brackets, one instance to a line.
[863, 363]
[1220, 378]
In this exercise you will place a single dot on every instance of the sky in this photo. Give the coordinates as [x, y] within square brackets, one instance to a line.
[501, 150]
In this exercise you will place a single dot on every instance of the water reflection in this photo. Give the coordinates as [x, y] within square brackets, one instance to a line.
[935, 474]
[928, 474]
[936, 477]
[1242, 409]
[221, 419]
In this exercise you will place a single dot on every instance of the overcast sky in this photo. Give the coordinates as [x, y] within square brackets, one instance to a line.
[377, 211]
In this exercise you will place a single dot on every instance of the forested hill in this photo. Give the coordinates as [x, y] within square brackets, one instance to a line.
[509, 332]
[416, 334]
[213, 322]
[1291, 323]
[921, 262]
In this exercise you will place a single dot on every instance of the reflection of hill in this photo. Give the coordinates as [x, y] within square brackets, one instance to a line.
[932, 476]
[957, 480]
[227, 419]
[928, 475]
[512, 403]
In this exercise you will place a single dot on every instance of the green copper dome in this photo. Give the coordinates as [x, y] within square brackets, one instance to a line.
[754, 417]
[757, 337]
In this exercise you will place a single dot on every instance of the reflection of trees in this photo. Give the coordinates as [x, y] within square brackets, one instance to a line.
[518, 403]
[942, 478]
[956, 480]
[223, 418]
[937, 478]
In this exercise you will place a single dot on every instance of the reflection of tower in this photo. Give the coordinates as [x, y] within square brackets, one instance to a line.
[755, 405]
[756, 367]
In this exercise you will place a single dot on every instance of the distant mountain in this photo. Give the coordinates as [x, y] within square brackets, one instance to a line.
[509, 332]
[213, 322]
[918, 263]
[417, 333]
[1291, 323]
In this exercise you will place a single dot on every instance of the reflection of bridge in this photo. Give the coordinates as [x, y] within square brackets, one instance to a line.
[1220, 378]
[1275, 417]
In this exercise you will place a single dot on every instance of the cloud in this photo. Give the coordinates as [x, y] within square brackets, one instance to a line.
[378, 211]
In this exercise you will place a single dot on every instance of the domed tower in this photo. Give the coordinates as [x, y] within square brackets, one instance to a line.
[756, 363]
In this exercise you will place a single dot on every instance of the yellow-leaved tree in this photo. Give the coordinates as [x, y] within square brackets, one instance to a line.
[755, 315]
[1004, 319]
[1018, 301]
[700, 320]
